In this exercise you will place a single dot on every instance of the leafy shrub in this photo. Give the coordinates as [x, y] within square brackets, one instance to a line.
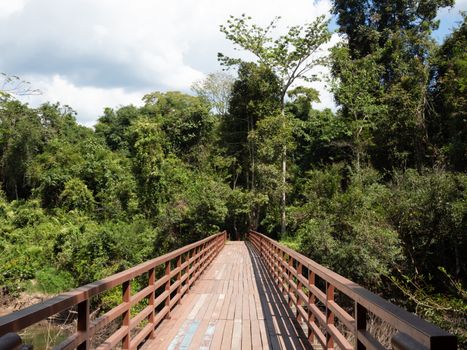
[52, 281]
[76, 195]
[342, 224]
[430, 213]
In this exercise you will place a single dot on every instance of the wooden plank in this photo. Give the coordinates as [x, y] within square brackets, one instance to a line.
[197, 307]
[218, 334]
[225, 307]
[265, 340]
[246, 335]
[217, 309]
[227, 336]
[255, 334]
[237, 335]
[198, 337]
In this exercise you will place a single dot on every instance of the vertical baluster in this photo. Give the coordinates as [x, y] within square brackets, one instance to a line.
[329, 315]
[311, 302]
[126, 291]
[151, 282]
[196, 261]
[179, 278]
[290, 277]
[167, 287]
[203, 252]
[83, 323]
[360, 322]
[299, 288]
[278, 266]
[190, 255]
[284, 282]
[261, 246]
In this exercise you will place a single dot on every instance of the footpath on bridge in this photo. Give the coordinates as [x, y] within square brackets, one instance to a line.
[233, 305]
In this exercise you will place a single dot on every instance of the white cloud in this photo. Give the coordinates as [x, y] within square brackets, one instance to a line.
[100, 51]
[10, 7]
[87, 100]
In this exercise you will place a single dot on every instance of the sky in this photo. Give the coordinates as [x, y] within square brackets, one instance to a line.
[92, 54]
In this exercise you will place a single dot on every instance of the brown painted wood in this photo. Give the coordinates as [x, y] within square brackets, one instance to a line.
[286, 267]
[199, 255]
[234, 295]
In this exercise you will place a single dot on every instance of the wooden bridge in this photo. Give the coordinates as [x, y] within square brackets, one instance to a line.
[215, 294]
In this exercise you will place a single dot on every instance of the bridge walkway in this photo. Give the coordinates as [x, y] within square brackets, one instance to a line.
[233, 305]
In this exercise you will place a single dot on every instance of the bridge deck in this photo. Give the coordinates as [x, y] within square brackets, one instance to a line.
[234, 305]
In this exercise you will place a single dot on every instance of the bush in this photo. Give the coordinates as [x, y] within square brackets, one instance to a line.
[342, 224]
[430, 213]
[52, 281]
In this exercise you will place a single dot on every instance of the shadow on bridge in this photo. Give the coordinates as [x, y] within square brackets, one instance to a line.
[284, 331]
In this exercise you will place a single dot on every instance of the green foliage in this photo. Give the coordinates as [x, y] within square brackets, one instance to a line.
[321, 137]
[388, 49]
[255, 96]
[448, 119]
[76, 195]
[113, 126]
[358, 89]
[430, 214]
[184, 119]
[290, 56]
[344, 228]
[53, 281]
[376, 190]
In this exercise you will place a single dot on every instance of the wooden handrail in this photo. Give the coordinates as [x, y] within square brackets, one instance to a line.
[288, 270]
[188, 261]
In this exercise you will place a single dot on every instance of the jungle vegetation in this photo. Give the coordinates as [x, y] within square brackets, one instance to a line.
[376, 190]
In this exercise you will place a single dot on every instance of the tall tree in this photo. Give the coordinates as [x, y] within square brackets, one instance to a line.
[255, 96]
[290, 57]
[448, 119]
[215, 89]
[397, 35]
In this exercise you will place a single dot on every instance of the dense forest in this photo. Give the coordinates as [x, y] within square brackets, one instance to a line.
[377, 190]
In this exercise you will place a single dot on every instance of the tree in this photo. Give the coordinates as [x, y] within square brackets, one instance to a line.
[254, 96]
[21, 138]
[397, 35]
[447, 125]
[215, 89]
[290, 57]
[113, 126]
[358, 89]
[369, 25]
[12, 85]
[184, 119]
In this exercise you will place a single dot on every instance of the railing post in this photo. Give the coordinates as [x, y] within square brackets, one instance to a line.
[126, 291]
[360, 323]
[83, 323]
[329, 315]
[167, 287]
[311, 302]
[152, 299]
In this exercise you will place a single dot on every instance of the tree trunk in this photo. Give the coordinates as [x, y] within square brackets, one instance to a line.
[283, 197]
[284, 175]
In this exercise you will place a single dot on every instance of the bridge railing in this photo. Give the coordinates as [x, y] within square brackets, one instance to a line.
[180, 269]
[330, 323]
